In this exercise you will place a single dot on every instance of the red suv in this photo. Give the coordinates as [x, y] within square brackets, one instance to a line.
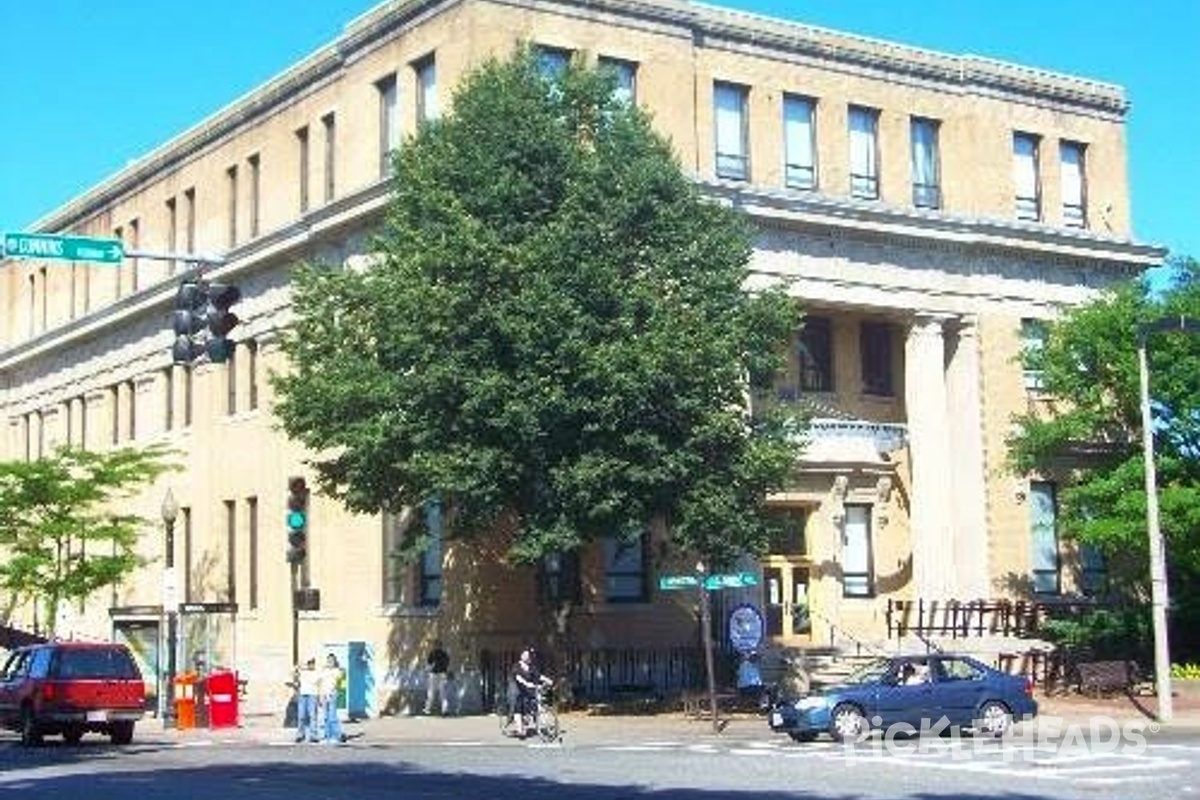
[71, 688]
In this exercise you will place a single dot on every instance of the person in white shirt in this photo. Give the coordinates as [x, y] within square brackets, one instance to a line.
[307, 685]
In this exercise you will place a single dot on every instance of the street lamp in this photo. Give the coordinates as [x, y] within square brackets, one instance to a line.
[169, 511]
[1158, 566]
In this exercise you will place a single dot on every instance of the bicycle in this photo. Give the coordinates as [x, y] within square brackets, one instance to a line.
[543, 722]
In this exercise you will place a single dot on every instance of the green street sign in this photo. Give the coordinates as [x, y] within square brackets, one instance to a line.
[739, 580]
[63, 248]
[671, 582]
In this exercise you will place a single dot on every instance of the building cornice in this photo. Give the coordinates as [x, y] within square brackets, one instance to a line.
[859, 219]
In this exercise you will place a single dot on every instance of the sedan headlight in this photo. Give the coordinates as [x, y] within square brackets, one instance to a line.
[811, 702]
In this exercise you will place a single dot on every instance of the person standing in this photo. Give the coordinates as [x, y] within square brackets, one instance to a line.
[330, 683]
[529, 681]
[438, 663]
[307, 684]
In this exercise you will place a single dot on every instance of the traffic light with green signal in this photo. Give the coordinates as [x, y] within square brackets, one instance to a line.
[297, 520]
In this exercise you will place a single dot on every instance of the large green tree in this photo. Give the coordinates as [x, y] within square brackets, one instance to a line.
[1089, 438]
[555, 336]
[64, 533]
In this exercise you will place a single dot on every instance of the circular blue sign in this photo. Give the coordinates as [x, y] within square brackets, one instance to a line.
[746, 628]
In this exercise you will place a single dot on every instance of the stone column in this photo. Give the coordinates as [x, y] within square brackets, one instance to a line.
[968, 479]
[925, 398]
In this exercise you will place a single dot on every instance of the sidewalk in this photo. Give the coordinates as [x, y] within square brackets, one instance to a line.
[584, 728]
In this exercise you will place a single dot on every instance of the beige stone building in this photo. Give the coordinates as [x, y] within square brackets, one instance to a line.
[931, 209]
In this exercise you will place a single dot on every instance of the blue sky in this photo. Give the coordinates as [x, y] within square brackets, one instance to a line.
[86, 86]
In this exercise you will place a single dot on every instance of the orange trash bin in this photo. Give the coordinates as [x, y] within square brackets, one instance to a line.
[185, 700]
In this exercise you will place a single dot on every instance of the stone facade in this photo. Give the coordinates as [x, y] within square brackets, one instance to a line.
[910, 464]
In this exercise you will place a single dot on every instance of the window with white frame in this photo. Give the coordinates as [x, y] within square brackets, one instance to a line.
[1074, 184]
[926, 181]
[625, 75]
[429, 568]
[799, 142]
[625, 569]
[1026, 178]
[1033, 342]
[1043, 526]
[732, 131]
[389, 121]
[864, 152]
[428, 108]
[858, 579]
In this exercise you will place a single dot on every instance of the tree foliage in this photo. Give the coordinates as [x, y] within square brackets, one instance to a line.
[1091, 441]
[63, 531]
[554, 337]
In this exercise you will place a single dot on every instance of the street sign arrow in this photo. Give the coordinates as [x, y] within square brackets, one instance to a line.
[739, 580]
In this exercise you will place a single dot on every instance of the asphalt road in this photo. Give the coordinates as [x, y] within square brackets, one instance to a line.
[208, 766]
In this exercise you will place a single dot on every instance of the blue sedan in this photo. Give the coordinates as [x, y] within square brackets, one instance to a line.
[916, 691]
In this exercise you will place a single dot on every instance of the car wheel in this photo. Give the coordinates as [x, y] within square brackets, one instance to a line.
[802, 736]
[72, 735]
[31, 734]
[994, 719]
[847, 723]
[121, 732]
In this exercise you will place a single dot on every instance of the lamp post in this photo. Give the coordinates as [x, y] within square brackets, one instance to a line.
[1158, 566]
[169, 510]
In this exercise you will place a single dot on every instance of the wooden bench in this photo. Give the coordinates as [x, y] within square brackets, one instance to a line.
[1099, 677]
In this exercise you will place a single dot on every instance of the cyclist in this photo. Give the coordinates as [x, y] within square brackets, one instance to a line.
[528, 679]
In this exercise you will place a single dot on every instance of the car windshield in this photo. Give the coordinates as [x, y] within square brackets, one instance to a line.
[868, 672]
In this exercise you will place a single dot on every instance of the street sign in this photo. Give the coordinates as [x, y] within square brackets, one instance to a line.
[739, 580]
[63, 248]
[669, 582]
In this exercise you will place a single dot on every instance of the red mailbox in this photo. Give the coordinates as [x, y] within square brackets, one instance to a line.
[222, 699]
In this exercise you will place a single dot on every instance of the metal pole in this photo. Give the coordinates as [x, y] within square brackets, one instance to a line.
[169, 720]
[706, 635]
[1158, 567]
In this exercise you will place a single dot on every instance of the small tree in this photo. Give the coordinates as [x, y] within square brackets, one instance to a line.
[556, 335]
[63, 534]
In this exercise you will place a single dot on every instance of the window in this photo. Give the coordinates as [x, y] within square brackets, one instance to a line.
[1043, 525]
[329, 123]
[428, 109]
[732, 133]
[394, 566]
[44, 276]
[131, 394]
[189, 208]
[875, 345]
[799, 142]
[429, 568]
[1033, 342]
[302, 177]
[135, 237]
[1026, 178]
[816, 355]
[231, 181]
[864, 153]
[1093, 570]
[389, 122]
[119, 272]
[252, 547]
[31, 285]
[926, 181]
[115, 416]
[857, 560]
[172, 233]
[560, 584]
[168, 382]
[1074, 184]
[83, 423]
[625, 75]
[625, 570]
[231, 380]
[255, 187]
[231, 551]
[186, 513]
[552, 62]
[788, 537]
[250, 349]
[188, 396]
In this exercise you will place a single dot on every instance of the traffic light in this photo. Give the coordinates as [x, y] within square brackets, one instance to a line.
[297, 520]
[188, 321]
[202, 320]
[220, 319]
